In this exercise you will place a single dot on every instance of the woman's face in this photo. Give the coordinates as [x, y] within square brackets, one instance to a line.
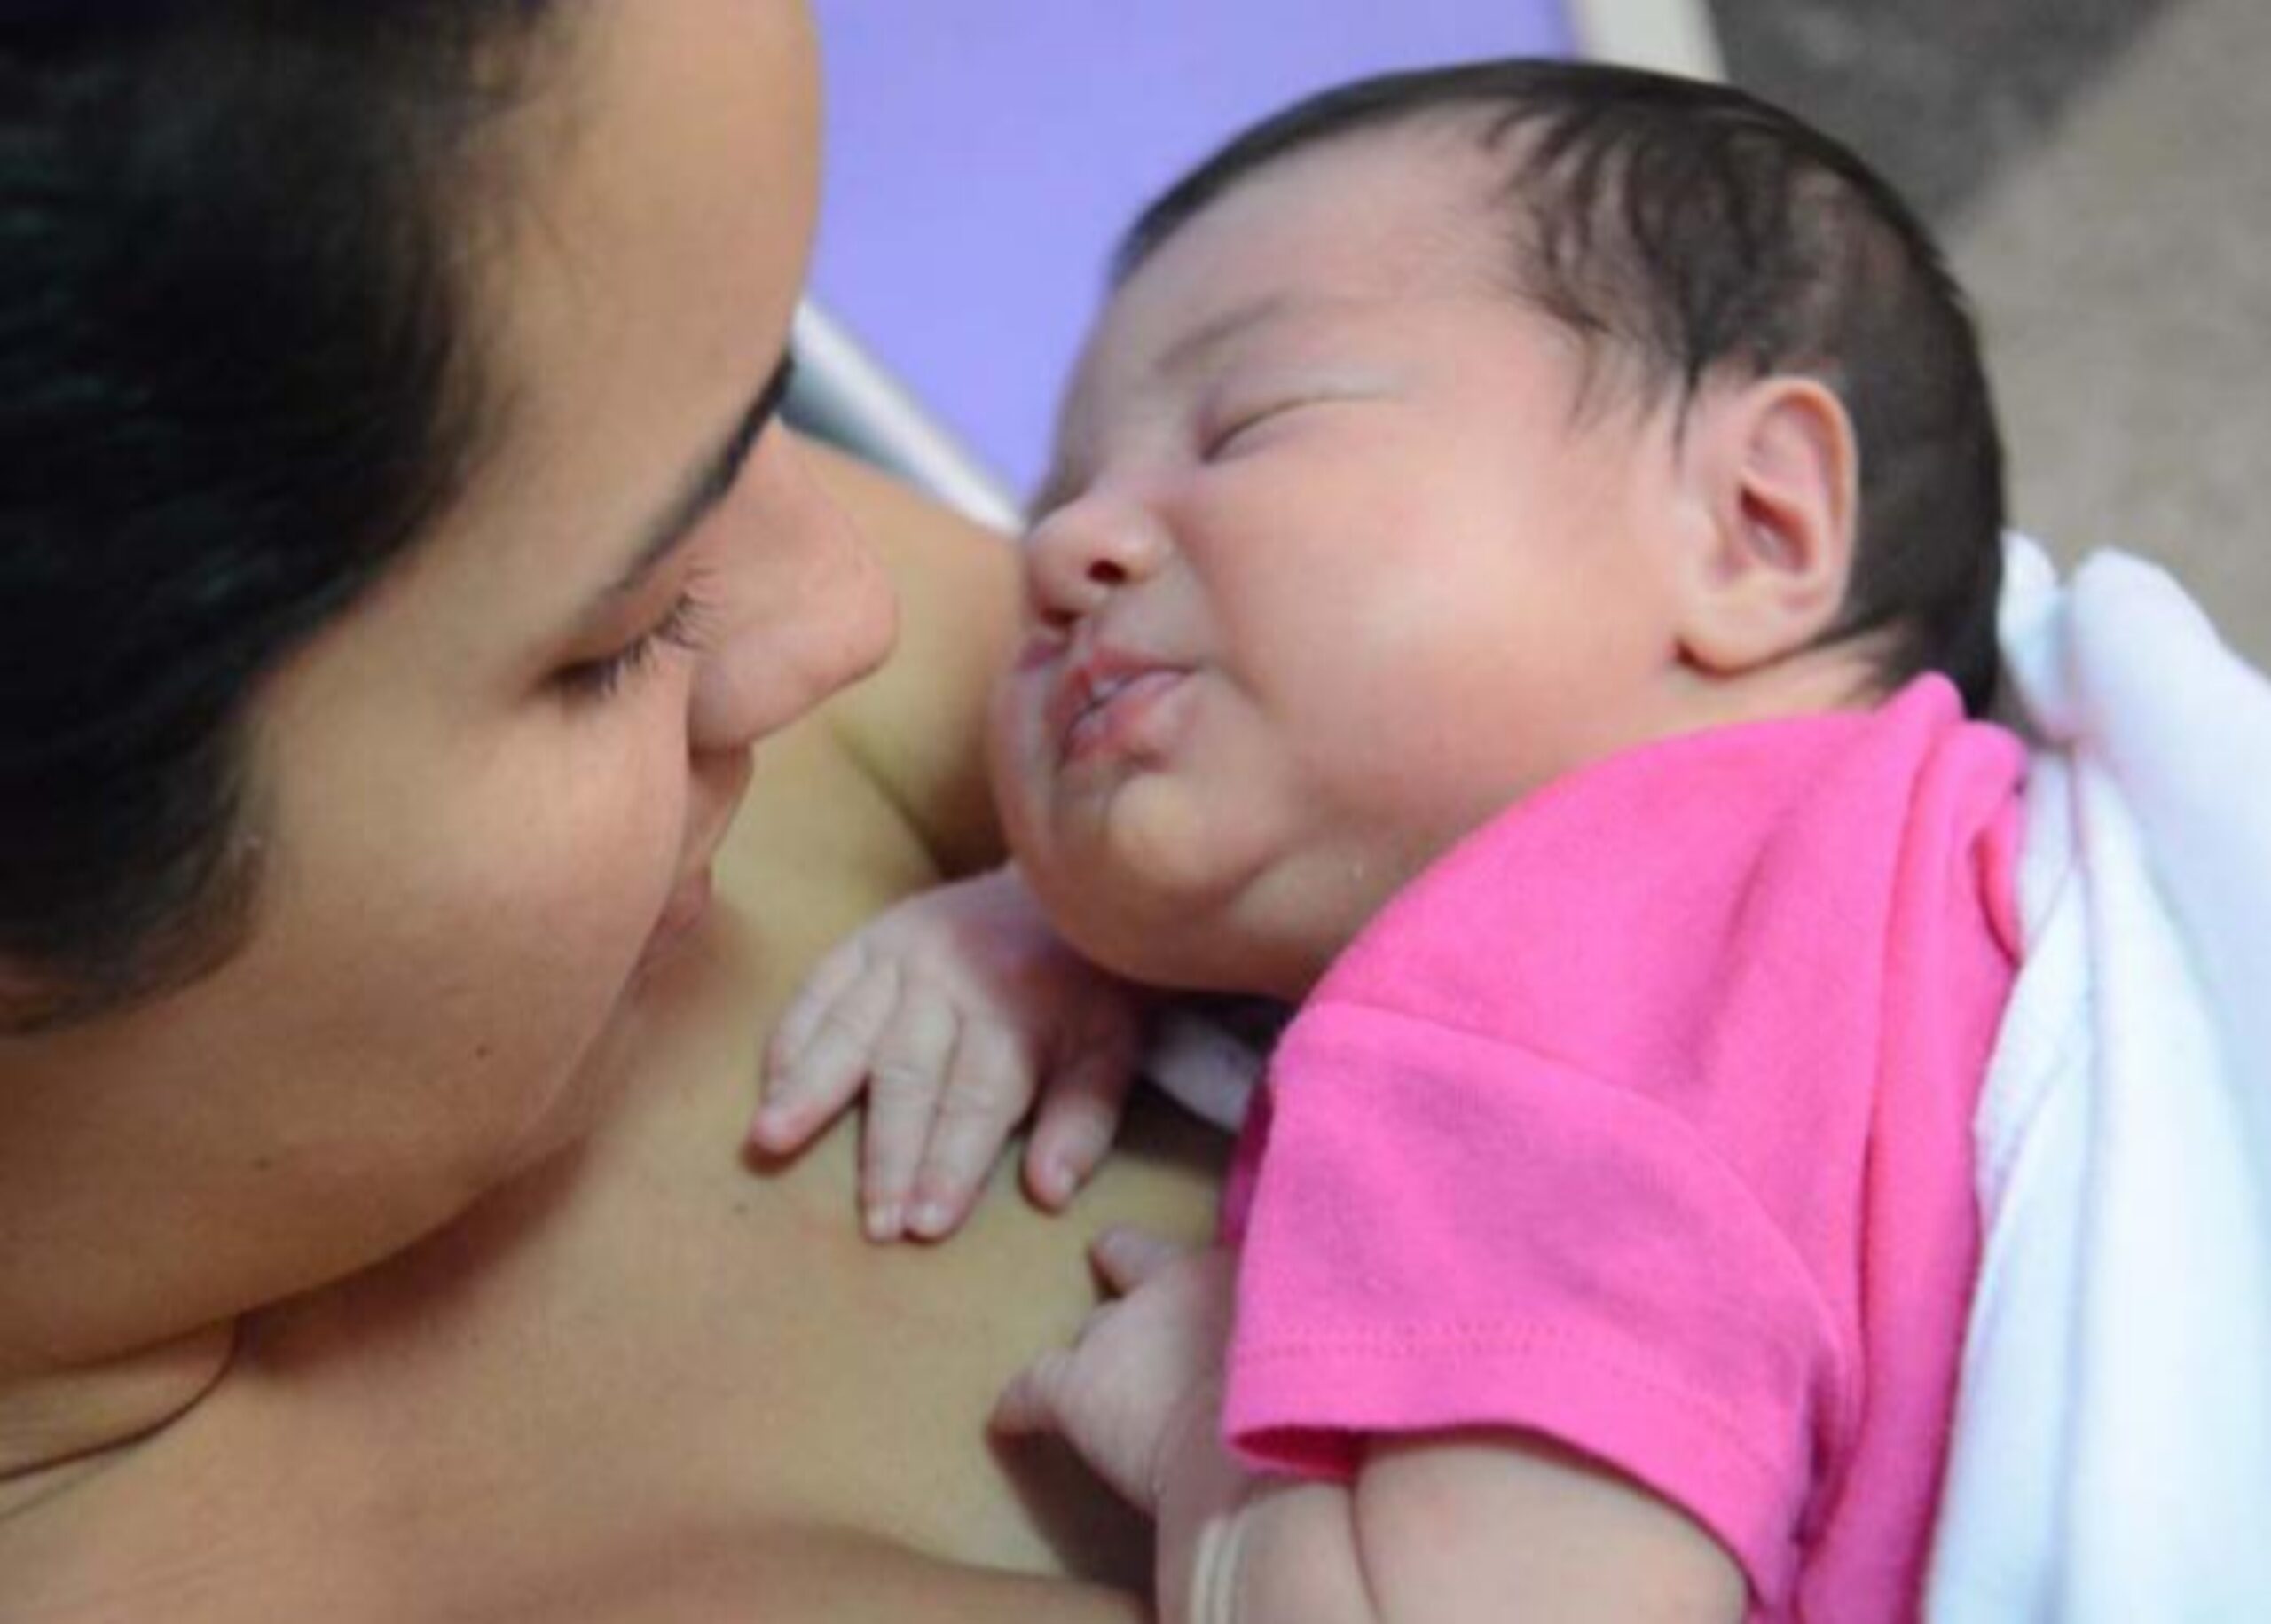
[490, 794]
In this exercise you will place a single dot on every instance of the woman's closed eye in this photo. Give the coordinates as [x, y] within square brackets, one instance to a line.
[683, 626]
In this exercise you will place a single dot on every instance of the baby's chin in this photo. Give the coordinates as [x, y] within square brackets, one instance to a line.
[1199, 938]
[1135, 933]
[1169, 889]
[1182, 959]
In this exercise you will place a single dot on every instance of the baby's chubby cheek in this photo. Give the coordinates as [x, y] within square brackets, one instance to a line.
[1021, 766]
[1016, 765]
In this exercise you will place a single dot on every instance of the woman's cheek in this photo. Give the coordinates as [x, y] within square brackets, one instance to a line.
[564, 935]
[624, 843]
[582, 854]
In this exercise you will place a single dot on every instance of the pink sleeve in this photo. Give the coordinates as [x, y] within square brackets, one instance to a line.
[1641, 1121]
[1451, 1231]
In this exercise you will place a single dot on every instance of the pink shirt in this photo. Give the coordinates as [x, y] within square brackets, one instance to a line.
[1643, 1120]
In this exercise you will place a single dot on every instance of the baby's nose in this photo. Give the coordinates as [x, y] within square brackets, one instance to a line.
[1082, 553]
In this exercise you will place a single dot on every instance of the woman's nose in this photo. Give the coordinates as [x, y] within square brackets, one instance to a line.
[801, 608]
[1080, 554]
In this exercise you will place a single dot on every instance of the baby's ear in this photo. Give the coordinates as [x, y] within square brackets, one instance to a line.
[1773, 469]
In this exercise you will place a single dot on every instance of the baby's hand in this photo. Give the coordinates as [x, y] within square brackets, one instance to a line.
[1139, 1394]
[955, 1008]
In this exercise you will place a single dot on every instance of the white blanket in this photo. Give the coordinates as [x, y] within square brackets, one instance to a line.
[2112, 1448]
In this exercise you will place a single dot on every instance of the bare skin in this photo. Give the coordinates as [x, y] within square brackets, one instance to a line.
[648, 1380]
[406, 1265]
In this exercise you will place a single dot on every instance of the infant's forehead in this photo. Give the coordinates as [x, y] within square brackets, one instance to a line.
[1440, 177]
[1418, 209]
[1372, 218]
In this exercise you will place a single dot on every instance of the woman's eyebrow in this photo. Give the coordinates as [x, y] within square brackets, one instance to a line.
[705, 486]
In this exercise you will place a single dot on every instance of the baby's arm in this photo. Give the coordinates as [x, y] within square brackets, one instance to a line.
[953, 1011]
[1444, 1527]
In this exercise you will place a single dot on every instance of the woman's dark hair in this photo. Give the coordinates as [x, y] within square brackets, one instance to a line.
[236, 384]
[1698, 233]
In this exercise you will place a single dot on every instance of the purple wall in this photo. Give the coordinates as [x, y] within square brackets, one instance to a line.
[983, 154]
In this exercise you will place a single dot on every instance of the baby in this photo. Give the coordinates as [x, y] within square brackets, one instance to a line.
[1521, 552]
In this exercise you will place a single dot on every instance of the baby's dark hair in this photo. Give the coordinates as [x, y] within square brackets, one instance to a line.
[237, 382]
[1691, 232]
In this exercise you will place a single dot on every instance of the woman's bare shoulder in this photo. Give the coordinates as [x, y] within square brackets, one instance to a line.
[807, 1576]
[916, 724]
[641, 1569]
[647, 1377]
[651, 1347]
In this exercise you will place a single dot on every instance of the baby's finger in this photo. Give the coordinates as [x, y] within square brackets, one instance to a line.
[830, 1056]
[989, 1084]
[828, 981]
[1126, 1258]
[1031, 1402]
[1080, 1114]
[904, 1083]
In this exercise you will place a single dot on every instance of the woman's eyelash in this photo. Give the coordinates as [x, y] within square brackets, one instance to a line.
[683, 626]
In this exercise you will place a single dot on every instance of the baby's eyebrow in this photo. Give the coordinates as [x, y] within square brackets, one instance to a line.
[1203, 341]
[1188, 353]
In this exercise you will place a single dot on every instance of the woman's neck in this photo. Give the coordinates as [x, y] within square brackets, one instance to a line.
[55, 1425]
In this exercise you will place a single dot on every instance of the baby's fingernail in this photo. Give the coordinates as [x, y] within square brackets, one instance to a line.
[930, 1218]
[882, 1221]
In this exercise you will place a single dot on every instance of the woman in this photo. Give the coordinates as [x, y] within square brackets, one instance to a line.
[400, 560]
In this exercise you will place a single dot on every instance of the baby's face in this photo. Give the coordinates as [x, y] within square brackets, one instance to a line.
[1331, 569]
